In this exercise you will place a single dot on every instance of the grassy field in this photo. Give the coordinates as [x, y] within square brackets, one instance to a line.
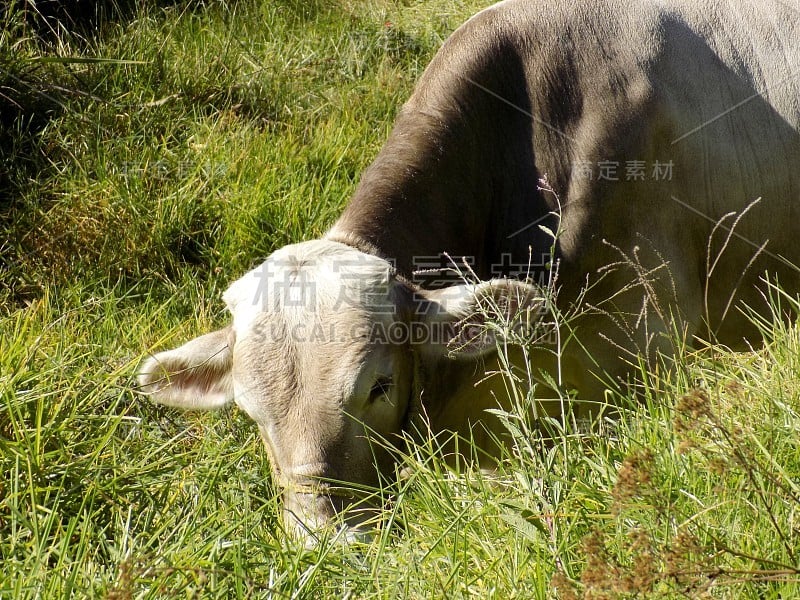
[152, 153]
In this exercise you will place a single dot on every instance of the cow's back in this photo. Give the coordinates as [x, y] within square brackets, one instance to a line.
[653, 122]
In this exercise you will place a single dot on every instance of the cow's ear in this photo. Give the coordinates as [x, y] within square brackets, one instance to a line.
[196, 375]
[466, 321]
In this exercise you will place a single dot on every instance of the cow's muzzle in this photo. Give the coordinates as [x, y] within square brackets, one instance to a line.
[316, 514]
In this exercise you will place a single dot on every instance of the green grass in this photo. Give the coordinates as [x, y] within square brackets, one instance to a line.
[147, 164]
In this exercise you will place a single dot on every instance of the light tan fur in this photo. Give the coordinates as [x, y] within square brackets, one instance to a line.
[523, 90]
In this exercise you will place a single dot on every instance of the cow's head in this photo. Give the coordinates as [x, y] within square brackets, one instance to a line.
[325, 353]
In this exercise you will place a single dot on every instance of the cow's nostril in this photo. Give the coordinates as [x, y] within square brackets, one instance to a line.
[313, 470]
[306, 486]
[309, 478]
[310, 514]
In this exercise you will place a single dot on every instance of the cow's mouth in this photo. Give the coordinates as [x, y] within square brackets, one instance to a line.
[316, 515]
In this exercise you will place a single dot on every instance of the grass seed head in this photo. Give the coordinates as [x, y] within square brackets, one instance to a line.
[634, 479]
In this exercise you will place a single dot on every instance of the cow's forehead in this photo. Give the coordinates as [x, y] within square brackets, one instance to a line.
[300, 319]
[306, 280]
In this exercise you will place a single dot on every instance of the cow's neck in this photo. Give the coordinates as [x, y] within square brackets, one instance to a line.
[420, 197]
[457, 174]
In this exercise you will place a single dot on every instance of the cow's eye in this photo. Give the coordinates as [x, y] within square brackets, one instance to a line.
[380, 390]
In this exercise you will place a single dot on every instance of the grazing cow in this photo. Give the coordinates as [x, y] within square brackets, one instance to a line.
[669, 135]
